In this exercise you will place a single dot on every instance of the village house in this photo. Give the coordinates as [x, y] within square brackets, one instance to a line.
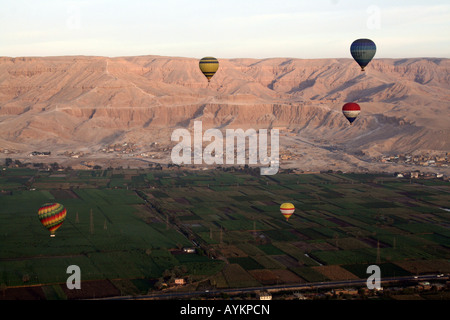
[263, 295]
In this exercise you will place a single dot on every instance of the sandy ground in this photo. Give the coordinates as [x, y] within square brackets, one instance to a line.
[305, 155]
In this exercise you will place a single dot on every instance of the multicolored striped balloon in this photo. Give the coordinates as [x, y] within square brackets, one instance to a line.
[208, 66]
[351, 110]
[52, 216]
[287, 209]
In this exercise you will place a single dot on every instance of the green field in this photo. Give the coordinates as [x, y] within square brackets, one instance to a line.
[129, 225]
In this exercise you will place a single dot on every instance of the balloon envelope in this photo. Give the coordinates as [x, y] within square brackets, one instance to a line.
[351, 110]
[363, 50]
[287, 209]
[208, 66]
[52, 216]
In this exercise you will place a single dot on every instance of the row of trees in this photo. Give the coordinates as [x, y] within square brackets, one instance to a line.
[54, 166]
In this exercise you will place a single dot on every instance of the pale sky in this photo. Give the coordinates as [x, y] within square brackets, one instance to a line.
[224, 29]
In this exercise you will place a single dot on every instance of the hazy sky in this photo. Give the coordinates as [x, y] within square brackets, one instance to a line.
[225, 28]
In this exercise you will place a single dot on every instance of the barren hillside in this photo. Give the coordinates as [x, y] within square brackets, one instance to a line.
[86, 103]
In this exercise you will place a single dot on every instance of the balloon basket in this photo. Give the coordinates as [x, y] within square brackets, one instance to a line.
[52, 236]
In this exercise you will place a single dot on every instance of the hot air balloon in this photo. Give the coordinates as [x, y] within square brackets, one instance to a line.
[209, 66]
[287, 209]
[363, 50]
[52, 216]
[351, 111]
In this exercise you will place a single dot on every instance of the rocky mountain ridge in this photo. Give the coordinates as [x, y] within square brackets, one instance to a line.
[79, 102]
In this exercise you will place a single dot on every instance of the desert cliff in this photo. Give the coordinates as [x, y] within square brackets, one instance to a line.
[84, 103]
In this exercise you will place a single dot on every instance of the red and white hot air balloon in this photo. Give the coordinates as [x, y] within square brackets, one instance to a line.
[351, 110]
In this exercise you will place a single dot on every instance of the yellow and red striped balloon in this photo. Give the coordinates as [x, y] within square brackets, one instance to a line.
[52, 216]
[287, 209]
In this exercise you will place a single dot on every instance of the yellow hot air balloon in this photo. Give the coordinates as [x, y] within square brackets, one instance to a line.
[287, 209]
[208, 66]
[52, 216]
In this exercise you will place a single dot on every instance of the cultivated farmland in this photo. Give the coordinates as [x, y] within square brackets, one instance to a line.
[127, 228]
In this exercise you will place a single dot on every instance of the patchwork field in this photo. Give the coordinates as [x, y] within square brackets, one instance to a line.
[127, 227]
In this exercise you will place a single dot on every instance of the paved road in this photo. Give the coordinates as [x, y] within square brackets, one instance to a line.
[315, 285]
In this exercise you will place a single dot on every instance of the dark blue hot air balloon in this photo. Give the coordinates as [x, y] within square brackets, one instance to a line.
[363, 50]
